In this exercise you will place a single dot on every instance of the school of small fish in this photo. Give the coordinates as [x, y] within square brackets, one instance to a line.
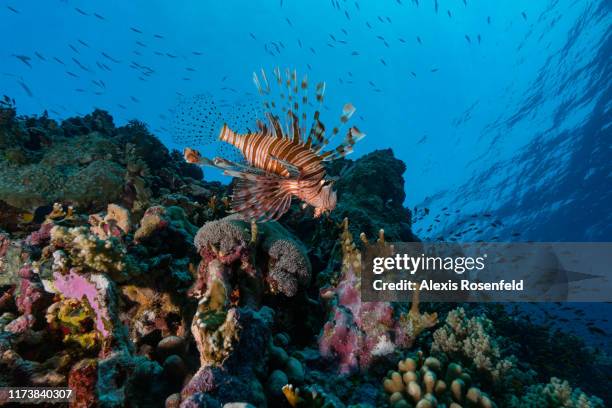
[80, 65]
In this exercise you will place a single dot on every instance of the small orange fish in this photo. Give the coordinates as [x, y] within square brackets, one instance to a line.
[281, 163]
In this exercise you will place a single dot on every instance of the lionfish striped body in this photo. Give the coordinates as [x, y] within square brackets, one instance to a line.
[282, 163]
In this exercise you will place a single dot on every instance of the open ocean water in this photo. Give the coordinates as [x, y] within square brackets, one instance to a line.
[501, 111]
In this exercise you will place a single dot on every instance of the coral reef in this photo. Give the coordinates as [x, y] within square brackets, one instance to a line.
[357, 332]
[557, 393]
[88, 163]
[89, 252]
[123, 277]
[425, 383]
[471, 340]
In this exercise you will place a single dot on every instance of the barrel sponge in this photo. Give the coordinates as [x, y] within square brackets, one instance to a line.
[222, 235]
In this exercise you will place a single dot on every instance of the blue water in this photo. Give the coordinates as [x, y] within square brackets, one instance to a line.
[501, 111]
[513, 122]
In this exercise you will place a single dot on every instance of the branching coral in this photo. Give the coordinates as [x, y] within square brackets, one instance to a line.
[426, 383]
[357, 332]
[557, 393]
[471, 340]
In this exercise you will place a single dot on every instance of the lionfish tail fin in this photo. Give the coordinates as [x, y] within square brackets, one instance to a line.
[260, 198]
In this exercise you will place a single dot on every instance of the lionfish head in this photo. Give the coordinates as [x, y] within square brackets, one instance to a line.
[327, 199]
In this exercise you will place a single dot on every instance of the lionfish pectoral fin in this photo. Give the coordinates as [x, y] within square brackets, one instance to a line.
[261, 198]
[234, 169]
[293, 170]
[229, 136]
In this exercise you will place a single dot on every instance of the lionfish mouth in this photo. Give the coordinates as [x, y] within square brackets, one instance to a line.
[191, 155]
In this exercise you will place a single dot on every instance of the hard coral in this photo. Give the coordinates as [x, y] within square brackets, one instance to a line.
[223, 237]
[357, 332]
[426, 383]
[266, 250]
[288, 265]
[154, 311]
[82, 380]
[557, 393]
[115, 223]
[30, 300]
[471, 340]
[88, 252]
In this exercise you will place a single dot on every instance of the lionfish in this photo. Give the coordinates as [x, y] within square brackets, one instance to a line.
[280, 161]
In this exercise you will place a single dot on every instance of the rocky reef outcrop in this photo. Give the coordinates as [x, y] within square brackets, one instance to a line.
[123, 277]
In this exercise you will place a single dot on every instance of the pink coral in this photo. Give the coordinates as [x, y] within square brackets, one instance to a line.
[358, 332]
[76, 286]
[31, 299]
[42, 236]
